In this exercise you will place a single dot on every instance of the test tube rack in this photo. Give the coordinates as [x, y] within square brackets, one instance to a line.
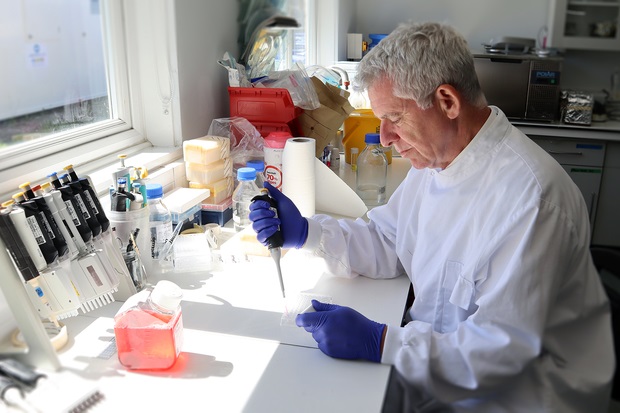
[39, 351]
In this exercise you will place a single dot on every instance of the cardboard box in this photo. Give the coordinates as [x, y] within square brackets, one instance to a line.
[323, 123]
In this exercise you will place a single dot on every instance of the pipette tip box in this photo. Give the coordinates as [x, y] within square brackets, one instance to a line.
[217, 213]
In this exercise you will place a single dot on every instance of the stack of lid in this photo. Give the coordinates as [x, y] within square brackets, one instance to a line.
[208, 165]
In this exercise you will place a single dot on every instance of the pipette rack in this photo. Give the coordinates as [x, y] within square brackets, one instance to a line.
[39, 351]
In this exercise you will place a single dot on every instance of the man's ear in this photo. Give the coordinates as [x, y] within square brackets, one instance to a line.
[448, 100]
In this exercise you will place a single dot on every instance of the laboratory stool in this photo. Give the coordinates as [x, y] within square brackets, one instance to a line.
[607, 262]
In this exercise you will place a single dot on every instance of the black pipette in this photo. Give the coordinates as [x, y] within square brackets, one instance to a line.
[275, 241]
[91, 196]
[50, 224]
[71, 202]
[37, 226]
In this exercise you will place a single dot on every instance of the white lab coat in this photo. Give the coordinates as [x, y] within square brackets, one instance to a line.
[509, 312]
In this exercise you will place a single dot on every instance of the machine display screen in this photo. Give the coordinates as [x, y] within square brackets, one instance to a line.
[545, 77]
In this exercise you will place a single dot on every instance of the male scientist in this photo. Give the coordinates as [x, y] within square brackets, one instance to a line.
[509, 312]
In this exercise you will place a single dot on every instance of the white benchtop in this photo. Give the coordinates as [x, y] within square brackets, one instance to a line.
[236, 356]
[608, 131]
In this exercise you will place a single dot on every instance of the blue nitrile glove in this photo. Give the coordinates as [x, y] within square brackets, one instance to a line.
[342, 332]
[293, 226]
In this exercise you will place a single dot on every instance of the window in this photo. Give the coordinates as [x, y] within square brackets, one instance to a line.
[160, 57]
[56, 67]
[67, 72]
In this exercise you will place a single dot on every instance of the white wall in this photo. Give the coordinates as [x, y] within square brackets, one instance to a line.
[175, 48]
[479, 21]
[205, 29]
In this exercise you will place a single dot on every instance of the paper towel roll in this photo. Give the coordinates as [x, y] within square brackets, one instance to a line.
[298, 173]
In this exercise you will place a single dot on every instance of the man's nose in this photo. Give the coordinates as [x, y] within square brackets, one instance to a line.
[386, 133]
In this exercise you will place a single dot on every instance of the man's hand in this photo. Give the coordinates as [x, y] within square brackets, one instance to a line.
[293, 226]
[342, 332]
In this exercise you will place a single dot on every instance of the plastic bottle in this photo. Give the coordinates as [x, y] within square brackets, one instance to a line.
[259, 166]
[120, 197]
[335, 158]
[273, 148]
[354, 154]
[137, 202]
[160, 219]
[371, 176]
[149, 335]
[242, 197]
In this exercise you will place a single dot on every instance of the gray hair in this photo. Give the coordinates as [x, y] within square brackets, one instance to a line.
[417, 58]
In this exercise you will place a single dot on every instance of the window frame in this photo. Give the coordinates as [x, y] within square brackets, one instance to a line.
[140, 129]
[93, 145]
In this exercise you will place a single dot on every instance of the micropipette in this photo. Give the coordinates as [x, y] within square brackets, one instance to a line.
[276, 253]
[275, 241]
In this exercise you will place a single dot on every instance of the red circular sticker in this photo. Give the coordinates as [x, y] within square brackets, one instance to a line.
[273, 175]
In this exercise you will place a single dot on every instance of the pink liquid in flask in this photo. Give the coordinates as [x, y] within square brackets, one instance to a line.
[148, 335]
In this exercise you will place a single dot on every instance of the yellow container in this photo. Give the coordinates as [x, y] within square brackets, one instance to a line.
[356, 126]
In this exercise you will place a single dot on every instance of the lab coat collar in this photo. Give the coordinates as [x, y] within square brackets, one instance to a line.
[487, 140]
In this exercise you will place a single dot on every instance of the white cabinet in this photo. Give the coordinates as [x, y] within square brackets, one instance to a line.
[607, 225]
[584, 24]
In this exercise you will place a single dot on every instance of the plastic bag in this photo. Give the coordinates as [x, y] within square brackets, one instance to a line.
[236, 72]
[297, 83]
[246, 142]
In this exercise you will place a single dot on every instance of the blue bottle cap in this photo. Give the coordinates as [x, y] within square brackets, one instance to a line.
[246, 174]
[372, 138]
[154, 191]
[256, 164]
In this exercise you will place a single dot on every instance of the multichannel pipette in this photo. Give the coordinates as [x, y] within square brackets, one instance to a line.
[275, 241]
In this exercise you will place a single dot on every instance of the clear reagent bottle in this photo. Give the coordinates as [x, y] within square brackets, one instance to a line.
[242, 197]
[371, 174]
[259, 166]
[160, 219]
[149, 334]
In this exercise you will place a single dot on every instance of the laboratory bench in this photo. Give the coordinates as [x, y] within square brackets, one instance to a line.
[237, 353]
[240, 352]
[607, 131]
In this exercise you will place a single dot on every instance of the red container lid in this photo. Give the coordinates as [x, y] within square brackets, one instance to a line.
[277, 139]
